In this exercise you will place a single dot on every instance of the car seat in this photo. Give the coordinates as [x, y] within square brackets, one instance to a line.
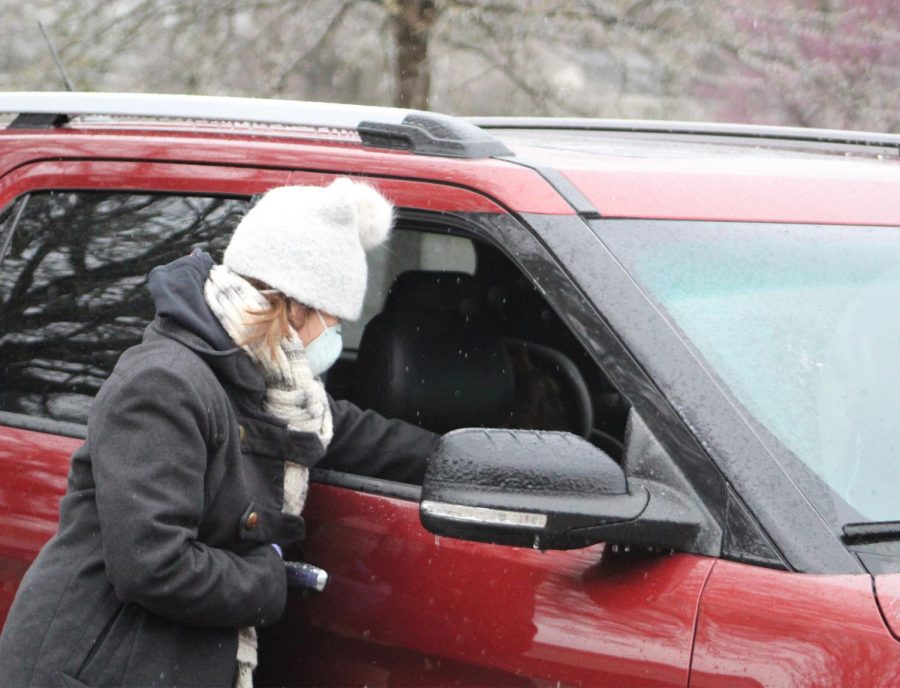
[430, 359]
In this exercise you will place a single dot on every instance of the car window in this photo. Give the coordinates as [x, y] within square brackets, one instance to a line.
[456, 335]
[799, 323]
[73, 296]
[407, 251]
[72, 287]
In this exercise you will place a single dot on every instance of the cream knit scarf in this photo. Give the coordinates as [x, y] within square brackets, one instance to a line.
[292, 394]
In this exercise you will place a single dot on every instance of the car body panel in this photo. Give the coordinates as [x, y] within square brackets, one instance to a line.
[191, 178]
[659, 179]
[137, 176]
[34, 465]
[530, 617]
[512, 186]
[583, 617]
[887, 593]
[745, 195]
[773, 628]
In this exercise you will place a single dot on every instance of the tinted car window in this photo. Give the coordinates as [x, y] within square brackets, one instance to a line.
[407, 250]
[72, 287]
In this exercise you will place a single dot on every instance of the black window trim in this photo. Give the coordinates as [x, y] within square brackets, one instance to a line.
[49, 426]
[11, 230]
[366, 484]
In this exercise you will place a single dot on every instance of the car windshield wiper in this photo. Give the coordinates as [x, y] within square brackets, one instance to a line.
[874, 531]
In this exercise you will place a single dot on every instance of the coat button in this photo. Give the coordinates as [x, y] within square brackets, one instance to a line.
[242, 433]
[252, 520]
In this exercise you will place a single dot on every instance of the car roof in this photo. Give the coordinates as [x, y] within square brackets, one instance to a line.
[603, 168]
[713, 172]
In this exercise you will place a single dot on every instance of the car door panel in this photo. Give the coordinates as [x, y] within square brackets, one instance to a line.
[34, 466]
[35, 449]
[407, 608]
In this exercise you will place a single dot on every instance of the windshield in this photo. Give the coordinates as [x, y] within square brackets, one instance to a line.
[802, 324]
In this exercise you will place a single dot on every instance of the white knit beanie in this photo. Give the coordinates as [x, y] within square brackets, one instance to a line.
[309, 243]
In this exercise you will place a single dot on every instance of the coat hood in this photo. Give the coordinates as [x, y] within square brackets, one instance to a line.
[177, 290]
[182, 315]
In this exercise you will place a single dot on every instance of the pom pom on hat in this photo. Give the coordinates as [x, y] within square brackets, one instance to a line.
[309, 243]
[374, 214]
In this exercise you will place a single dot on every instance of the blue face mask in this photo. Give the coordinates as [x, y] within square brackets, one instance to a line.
[324, 350]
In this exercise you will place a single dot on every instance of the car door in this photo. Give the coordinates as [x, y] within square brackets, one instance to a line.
[405, 607]
[78, 239]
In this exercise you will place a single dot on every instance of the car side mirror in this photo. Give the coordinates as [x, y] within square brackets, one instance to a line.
[548, 490]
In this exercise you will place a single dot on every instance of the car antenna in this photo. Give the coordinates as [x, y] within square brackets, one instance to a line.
[62, 70]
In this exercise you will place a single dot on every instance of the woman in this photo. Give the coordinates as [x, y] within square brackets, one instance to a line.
[197, 454]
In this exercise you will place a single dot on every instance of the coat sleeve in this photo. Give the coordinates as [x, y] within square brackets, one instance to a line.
[366, 443]
[149, 441]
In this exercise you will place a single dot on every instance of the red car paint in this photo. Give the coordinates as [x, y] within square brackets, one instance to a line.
[185, 178]
[583, 617]
[34, 479]
[742, 193]
[887, 593]
[578, 618]
[517, 188]
[405, 608]
[695, 182]
[771, 628]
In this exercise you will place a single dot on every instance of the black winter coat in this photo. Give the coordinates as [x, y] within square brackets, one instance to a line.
[156, 565]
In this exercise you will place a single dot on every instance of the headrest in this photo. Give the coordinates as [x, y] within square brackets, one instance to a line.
[424, 360]
[422, 289]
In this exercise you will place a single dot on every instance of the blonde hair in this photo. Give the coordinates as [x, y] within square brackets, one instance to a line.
[269, 325]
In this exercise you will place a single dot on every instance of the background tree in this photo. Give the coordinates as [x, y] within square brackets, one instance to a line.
[821, 63]
[810, 62]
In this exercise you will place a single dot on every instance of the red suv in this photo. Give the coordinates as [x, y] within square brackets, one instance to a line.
[708, 312]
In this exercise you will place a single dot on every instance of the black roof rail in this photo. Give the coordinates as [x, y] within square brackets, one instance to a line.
[416, 131]
[750, 133]
[430, 134]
